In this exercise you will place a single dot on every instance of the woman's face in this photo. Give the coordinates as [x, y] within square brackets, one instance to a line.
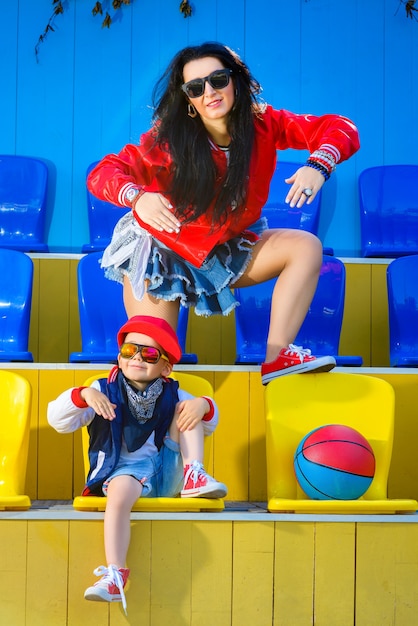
[213, 104]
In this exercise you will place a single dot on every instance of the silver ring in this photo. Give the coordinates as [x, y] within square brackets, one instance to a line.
[308, 192]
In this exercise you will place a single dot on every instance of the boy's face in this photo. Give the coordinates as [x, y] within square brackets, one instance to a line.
[136, 370]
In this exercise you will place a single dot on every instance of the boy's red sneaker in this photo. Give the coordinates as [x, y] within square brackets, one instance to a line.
[198, 483]
[294, 360]
[110, 588]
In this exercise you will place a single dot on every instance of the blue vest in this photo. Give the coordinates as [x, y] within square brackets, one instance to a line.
[106, 435]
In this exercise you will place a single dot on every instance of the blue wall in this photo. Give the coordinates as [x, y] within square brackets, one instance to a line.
[90, 91]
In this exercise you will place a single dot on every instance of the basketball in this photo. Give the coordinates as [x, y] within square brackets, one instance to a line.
[334, 462]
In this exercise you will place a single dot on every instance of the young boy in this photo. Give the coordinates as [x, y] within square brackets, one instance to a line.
[139, 421]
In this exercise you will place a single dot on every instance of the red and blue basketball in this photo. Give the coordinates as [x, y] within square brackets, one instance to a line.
[334, 462]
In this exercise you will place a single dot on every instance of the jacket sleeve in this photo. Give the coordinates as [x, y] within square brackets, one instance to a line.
[334, 133]
[210, 424]
[135, 165]
[65, 416]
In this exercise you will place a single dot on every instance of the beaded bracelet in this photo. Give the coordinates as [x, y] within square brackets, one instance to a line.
[323, 156]
[317, 166]
[328, 166]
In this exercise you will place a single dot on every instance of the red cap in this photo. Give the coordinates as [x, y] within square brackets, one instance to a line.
[156, 328]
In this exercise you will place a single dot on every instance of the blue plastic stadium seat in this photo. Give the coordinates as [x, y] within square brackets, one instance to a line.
[402, 287]
[389, 210]
[183, 320]
[16, 282]
[23, 194]
[102, 313]
[102, 218]
[320, 331]
[281, 215]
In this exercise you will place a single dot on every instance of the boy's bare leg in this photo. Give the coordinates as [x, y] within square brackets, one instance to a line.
[122, 493]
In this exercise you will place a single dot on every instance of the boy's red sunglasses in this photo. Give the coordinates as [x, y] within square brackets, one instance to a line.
[148, 354]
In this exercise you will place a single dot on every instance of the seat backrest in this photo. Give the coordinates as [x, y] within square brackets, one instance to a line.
[297, 404]
[23, 195]
[281, 215]
[102, 218]
[101, 308]
[102, 313]
[402, 285]
[194, 385]
[320, 330]
[15, 393]
[16, 283]
[388, 210]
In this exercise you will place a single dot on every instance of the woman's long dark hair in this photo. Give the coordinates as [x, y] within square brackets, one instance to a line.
[194, 182]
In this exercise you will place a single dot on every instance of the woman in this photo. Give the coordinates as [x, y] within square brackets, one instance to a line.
[196, 185]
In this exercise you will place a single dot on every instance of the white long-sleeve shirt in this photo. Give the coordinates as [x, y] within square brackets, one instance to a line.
[65, 416]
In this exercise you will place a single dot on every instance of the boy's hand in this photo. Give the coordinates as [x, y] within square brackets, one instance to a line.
[189, 413]
[99, 402]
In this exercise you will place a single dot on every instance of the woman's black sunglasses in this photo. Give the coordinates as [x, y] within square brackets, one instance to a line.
[217, 80]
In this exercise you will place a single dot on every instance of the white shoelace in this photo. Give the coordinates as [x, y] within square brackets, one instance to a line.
[112, 575]
[297, 351]
[195, 469]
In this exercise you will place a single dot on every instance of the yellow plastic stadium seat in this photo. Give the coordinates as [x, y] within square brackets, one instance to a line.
[15, 394]
[297, 404]
[198, 387]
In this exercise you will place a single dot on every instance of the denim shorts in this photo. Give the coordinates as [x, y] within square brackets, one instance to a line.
[207, 288]
[161, 475]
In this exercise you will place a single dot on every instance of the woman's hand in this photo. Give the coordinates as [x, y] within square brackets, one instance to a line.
[99, 402]
[304, 178]
[156, 211]
[190, 412]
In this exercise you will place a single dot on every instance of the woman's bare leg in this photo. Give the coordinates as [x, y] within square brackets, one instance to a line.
[296, 257]
[150, 306]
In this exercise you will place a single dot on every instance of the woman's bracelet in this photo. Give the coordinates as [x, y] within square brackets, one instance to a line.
[323, 161]
[318, 166]
[133, 194]
[325, 157]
